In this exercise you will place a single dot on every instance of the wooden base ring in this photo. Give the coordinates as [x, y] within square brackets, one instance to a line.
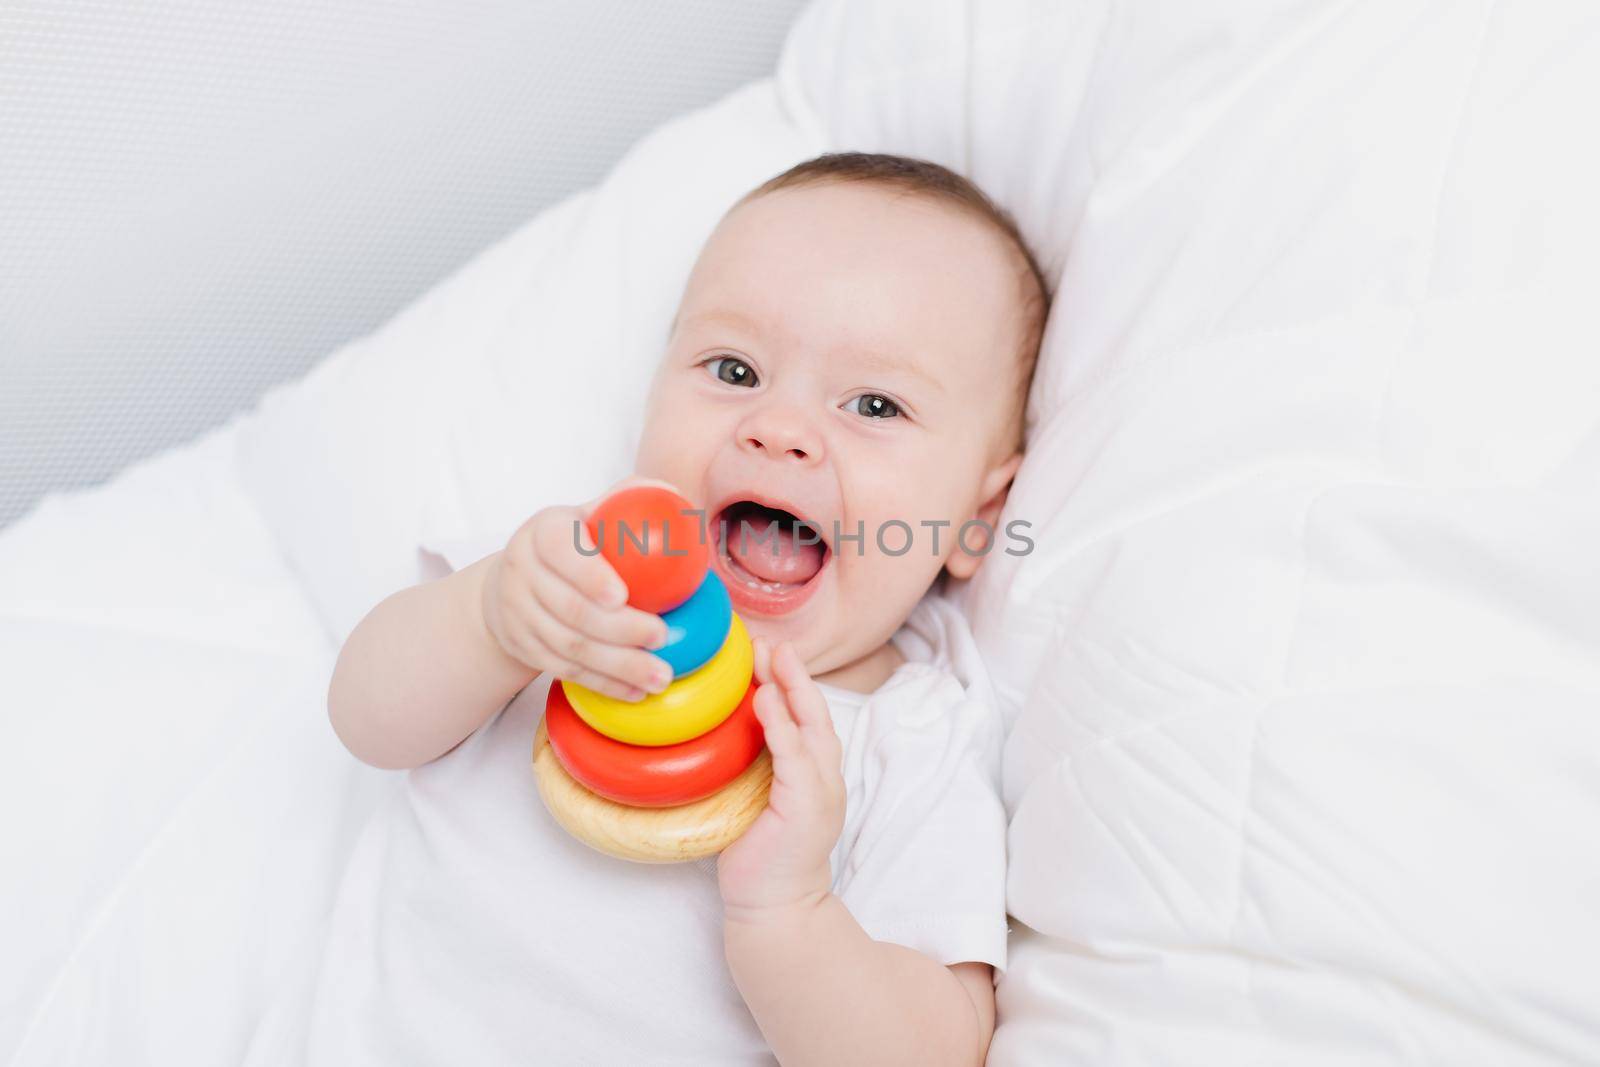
[651, 835]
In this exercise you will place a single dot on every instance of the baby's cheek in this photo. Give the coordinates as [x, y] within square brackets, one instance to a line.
[896, 560]
[892, 587]
[667, 451]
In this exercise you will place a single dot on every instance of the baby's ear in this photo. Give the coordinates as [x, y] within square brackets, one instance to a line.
[991, 501]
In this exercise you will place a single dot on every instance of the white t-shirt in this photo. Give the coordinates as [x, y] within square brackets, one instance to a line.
[469, 928]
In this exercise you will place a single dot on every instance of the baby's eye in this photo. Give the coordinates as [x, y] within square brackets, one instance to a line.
[731, 370]
[875, 406]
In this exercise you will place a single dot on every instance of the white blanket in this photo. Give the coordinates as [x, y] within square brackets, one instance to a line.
[177, 809]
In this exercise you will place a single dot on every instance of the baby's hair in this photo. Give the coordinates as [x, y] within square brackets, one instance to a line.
[925, 178]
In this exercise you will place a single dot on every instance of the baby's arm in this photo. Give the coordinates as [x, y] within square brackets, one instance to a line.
[432, 663]
[824, 992]
[421, 672]
[821, 989]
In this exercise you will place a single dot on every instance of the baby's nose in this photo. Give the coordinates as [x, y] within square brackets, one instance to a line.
[781, 434]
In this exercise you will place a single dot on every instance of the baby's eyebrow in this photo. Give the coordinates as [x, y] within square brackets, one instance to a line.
[888, 363]
[743, 323]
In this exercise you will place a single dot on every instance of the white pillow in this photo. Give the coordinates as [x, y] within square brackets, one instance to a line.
[1304, 765]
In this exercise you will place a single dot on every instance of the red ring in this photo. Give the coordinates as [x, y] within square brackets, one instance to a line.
[653, 776]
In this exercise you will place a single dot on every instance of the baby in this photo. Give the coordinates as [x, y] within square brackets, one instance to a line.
[850, 359]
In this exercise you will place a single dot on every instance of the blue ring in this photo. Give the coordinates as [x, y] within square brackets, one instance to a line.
[697, 628]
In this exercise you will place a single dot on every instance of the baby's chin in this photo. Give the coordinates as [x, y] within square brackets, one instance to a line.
[813, 628]
[800, 626]
[831, 642]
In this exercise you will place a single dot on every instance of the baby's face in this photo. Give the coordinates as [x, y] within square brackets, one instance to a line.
[846, 355]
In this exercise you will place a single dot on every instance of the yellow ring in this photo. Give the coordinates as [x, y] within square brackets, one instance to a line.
[687, 708]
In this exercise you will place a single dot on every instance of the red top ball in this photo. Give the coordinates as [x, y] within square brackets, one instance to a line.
[660, 552]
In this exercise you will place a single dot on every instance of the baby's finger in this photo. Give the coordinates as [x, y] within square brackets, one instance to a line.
[602, 684]
[809, 706]
[625, 626]
[783, 736]
[563, 544]
[626, 664]
[794, 769]
[536, 651]
[763, 655]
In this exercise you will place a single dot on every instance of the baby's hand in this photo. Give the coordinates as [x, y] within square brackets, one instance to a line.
[782, 860]
[555, 609]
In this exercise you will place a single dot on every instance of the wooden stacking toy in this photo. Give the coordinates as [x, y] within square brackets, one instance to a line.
[682, 773]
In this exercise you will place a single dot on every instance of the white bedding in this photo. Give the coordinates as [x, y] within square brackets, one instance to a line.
[1303, 675]
[176, 808]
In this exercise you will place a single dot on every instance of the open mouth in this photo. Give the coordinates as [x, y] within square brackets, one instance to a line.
[770, 559]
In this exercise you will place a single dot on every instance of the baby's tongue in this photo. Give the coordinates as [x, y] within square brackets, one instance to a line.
[775, 554]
